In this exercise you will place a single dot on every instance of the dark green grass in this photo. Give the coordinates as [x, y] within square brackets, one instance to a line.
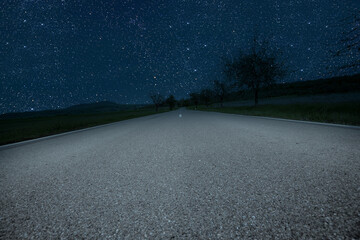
[341, 113]
[344, 84]
[15, 130]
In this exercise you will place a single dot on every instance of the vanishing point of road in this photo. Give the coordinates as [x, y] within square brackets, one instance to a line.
[200, 176]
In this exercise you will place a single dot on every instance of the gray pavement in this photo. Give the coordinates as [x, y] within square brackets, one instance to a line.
[202, 176]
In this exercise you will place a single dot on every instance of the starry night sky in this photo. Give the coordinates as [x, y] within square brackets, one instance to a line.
[57, 53]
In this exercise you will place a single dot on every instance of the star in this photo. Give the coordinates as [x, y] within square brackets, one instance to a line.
[103, 48]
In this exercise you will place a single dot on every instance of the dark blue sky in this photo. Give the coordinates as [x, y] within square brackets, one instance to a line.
[57, 53]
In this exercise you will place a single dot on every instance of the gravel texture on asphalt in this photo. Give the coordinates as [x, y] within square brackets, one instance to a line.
[203, 175]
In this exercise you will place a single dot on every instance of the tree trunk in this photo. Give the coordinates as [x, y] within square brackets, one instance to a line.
[256, 96]
[157, 107]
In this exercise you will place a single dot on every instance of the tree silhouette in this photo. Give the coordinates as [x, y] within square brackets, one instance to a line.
[256, 69]
[220, 91]
[157, 100]
[194, 98]
[350, 42]
[206, 95]
[171, 102]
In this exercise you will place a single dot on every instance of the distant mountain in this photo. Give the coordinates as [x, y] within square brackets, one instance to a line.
[89, 108]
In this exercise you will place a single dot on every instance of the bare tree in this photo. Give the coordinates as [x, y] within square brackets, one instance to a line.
[171, 101]
[194, 98]
[206, 95]
[220, 90]
[258, 68]
[157, 100]
[350, 42]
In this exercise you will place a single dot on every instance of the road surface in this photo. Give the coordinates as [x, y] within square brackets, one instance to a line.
[200, 176]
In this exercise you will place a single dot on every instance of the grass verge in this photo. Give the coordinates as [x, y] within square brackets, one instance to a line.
[341, 113]
[15, 130]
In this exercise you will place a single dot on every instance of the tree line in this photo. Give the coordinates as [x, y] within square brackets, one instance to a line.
[252, 70]
[259, 67]
[205, 97]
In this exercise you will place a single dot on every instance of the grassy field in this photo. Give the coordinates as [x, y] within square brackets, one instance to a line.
[344, 84]
[341, 113]
[15, 130]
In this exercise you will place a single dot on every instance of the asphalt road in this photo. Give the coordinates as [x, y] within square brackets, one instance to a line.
[202, 176]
